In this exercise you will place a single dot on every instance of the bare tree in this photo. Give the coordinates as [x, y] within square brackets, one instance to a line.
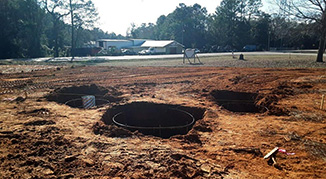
[83, 14]
[311, 10]
[56, 8]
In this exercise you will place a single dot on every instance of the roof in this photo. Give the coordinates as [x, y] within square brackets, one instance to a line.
[144, 43]
[113, 40]
[158, 43]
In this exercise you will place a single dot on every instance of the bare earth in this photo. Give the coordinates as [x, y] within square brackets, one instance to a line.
[41, 138]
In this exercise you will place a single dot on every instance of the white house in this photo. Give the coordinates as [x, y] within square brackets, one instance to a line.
[164, 46]
[136, 45]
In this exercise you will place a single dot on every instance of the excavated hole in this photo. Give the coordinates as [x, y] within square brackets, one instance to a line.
[159, 120]
[238, 101]
[71, 96]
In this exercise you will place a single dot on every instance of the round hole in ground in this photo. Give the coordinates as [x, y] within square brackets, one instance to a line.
[72, 96]
[238, 101]
[161, 120]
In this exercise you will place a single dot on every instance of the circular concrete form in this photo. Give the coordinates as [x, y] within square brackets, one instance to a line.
[78, 103]
[154, 119]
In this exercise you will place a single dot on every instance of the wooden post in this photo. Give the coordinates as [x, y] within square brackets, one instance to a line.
[322, 102]
[272, 152]
[271, 156]
[184, 57]
[241, 57]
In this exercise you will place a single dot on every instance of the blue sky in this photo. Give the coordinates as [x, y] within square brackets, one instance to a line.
[117, 15]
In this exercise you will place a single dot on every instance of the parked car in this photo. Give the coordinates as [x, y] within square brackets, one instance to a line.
[249, 48]
[148, 51]
[227, 48]
[144, 52]
[127, 52]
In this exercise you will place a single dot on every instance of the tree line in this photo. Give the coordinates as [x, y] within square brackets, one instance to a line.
[38, 28]
[234, 24]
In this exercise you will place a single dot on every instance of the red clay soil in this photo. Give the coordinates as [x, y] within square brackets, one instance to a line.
[42, 138]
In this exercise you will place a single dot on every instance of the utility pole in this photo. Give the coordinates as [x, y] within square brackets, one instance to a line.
[183, 30]
[269, 41]
[72, 30]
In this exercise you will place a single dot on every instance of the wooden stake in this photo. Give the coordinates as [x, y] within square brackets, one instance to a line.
[322, 102]
[25, 94]
[271, 153]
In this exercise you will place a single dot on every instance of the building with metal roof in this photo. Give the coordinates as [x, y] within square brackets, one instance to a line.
[136, 45]
[163, 46]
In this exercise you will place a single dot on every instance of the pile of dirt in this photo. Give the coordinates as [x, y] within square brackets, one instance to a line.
[202, 126]
[161, 164]
[72, 95]
[42, 153]
[282, 91]
[270, 102]
[317, 149]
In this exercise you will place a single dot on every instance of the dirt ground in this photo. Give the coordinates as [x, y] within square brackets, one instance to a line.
[41, 137]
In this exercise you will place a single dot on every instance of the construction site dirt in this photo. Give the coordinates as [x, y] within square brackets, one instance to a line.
[237, 115]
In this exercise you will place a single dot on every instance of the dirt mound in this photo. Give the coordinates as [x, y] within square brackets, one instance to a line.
[202, 126]
[317, 149]
[191, 138]
[270, 102]
[72, 95]
[42, 153]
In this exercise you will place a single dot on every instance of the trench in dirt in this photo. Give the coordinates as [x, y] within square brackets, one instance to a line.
[238, 101]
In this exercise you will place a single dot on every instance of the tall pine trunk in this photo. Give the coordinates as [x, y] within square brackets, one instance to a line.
[72, 31]
[322, 41]
[56, 36]
[321, 48]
